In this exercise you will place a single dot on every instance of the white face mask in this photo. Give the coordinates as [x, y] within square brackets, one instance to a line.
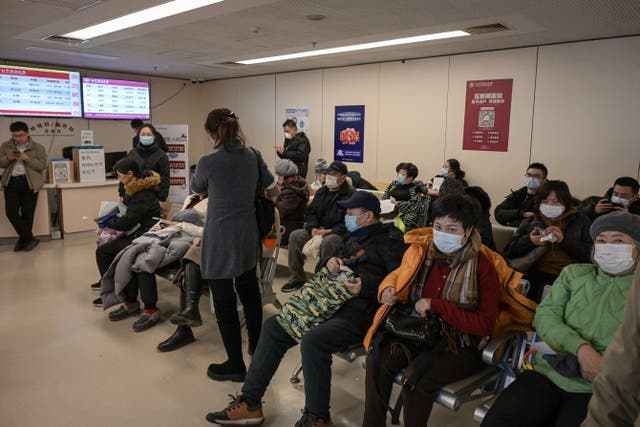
[447, 243]
[287, 135]
[531, 183]
[619, 201]
[331, 181]
[613, 259]
[551, 211]
[444, 172]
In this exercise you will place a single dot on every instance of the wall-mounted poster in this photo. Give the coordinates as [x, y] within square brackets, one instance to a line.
[487, 115]
[177, 137]
[300, 116]
[349, 133]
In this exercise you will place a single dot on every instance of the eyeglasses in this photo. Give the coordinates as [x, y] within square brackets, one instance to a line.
[534, 175]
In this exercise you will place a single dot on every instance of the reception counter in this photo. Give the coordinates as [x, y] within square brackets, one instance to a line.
[79, 203]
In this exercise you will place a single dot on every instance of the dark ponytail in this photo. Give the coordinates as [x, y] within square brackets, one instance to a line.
[455, 166]
[222, 124]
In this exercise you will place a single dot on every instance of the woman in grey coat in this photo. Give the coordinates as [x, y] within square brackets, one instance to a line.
[230, 241]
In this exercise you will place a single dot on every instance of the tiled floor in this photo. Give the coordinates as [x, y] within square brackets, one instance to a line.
[63, 363]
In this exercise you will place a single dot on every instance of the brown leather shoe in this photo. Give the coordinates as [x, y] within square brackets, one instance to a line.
[238, 413]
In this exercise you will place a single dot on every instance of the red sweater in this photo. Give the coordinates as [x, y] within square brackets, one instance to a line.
[479, 322]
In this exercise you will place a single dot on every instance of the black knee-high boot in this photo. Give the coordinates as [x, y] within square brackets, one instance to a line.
[190, 293]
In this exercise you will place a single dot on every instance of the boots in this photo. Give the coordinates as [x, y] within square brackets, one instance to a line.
[189, 298]
[181, 337]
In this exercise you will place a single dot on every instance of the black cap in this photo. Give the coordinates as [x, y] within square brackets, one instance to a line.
[337, 167]
[361, 199]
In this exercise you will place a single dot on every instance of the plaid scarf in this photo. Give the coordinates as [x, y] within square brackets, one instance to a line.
[461, 285]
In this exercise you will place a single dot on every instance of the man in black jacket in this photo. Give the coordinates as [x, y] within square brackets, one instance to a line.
[296, 147]
[519, 204]
[371, 250]
[623, 196]
[324, 218]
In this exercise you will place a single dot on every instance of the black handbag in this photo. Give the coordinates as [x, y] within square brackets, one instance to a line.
[265, 209]
[401, 323]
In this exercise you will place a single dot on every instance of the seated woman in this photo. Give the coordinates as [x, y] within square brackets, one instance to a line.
[135, 266]
[448, 273]
[293, 198]
[450, 170]
[408, 196]
[577, 320]
[556, 236]
[143, 205]
[319, 169]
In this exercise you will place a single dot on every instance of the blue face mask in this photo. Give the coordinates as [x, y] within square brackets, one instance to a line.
[146, 140]
[447, 243]
[351, 221]
[444, 171]
[400, 179]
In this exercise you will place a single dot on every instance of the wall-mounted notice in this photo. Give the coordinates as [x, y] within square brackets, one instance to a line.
[300, 116]
[349, 133]
[177, 138]
[487, 115]
[86, 137]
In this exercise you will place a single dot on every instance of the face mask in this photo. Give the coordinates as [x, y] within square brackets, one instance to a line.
[551, 211]
[287, 135]
[400, 179]
[531, 183]
[331, 181]
[447, 243]
[619, 201]
[444, 171]
[351, 221]
[146, 140]
[613, 259]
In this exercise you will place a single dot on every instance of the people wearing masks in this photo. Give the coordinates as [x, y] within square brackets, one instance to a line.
[408, 196]
[293, 198]
[578, 320]
[136, 125]
[450, 170]
[319, 168]
[231, 241]
[519, 205]
[23, 161]
[325, 218]
[296, 147]
[370, 250]
[622, 197]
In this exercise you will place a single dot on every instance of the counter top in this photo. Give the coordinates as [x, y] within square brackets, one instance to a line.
[85, 184]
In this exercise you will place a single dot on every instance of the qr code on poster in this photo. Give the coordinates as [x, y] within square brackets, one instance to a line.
[486, 119]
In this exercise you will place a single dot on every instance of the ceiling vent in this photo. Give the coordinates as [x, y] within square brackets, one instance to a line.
[62, 39]
[486, 29]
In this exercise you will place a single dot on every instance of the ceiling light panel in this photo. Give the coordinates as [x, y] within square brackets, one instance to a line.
[141, 17]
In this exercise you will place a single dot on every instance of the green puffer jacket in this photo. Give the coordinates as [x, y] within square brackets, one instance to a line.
[585, 306]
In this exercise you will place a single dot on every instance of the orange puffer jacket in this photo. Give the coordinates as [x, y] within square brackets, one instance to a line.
[515, 311]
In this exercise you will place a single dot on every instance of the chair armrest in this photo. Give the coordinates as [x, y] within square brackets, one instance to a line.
[496, 348]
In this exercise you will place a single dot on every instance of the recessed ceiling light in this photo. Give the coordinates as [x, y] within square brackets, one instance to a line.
[140, 17]
[354, 47]
[70, 53]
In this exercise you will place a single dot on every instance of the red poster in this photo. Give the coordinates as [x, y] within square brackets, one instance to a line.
[487, 115]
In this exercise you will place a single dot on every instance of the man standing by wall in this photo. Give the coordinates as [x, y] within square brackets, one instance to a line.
[296, 147]
[23, 161]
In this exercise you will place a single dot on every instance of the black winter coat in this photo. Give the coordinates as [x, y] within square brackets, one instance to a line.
[297, 150]
[383, 246]
[141, 199]
[508, 212]
[159, 140]
[154, 159]
[292, 205]
[577, 241]
[325, 213]
[588, 205]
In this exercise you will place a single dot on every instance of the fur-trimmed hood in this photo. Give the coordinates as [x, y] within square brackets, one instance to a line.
[149, 180]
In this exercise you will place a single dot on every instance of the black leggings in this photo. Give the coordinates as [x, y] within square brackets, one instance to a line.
[148, 286]
[223, 292]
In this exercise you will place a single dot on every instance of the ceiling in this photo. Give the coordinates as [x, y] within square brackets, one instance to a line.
[197, 44]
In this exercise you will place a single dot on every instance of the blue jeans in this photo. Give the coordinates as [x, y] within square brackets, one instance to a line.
[344, 329]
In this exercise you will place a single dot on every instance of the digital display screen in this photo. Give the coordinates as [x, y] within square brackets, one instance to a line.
[40, 92]
[115, 99]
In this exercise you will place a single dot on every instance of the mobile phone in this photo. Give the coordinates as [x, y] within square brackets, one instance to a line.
[541, 231]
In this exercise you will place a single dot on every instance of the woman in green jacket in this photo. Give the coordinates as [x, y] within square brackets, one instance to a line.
[577, 320]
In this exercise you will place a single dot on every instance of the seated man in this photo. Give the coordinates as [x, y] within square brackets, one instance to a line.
[577, 320]
[371, 250]
[623, 197]
[319, 170]
[520, 203]
[324, 218]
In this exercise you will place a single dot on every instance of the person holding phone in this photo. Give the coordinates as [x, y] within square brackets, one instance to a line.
[622, 197]
[23, 161]
[371, 250]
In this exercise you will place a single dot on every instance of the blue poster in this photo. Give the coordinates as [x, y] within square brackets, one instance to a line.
[349, 133]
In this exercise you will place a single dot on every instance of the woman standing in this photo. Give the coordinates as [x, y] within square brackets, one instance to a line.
[231, 242]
